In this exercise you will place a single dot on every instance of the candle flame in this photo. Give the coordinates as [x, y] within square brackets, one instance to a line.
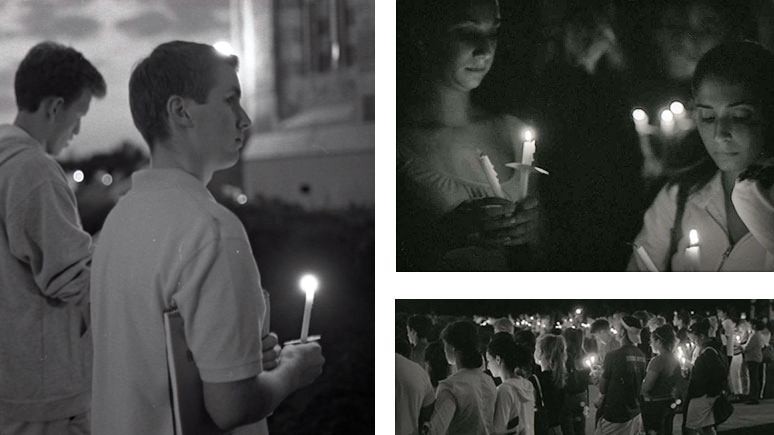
[639, 115]
[309, 284]
[578, 311]
[677, 107]
[667, 115]
[693, 235]
[529, 135]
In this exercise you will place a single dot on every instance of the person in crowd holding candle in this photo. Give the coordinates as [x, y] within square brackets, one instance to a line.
[414, 396]
[739, 378]
[606, 341]
[576, 398]
[435, 363]
[464, 403]
[168, 245]
[726, 194]
[708, 375]
[45, 256]
[753, 360]
[658, 388]
[621, 381]
[551, 355]
[449, 217]
[515, 404]
[418, 327]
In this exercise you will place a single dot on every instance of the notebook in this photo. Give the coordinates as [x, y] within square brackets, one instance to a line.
[190, 416]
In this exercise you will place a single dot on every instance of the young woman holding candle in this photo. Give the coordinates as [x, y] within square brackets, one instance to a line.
[726, 193]
[465, 400]
[658, 388]
[515, 404]
[449, 215]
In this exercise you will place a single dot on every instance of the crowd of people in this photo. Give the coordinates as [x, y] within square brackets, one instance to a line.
[572, 72]
[631, 373]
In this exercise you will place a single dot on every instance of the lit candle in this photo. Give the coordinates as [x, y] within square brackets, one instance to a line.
[692, 252]
[651, 166]
[491, 175]
[641, 120]
[684, 122]
[528, 148]
[667, 122]
[527, 158]
[309, 285]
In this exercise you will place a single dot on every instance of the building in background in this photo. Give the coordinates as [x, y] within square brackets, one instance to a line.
[307, 74]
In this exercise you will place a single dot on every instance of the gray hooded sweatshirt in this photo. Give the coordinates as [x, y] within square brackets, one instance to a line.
[45, 342]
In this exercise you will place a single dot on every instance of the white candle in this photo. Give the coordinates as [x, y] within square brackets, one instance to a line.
[528, 148]
[683, 121]
[491, 175]
[641, 121]
[692, 252]
[645, 259]
[667, 122]
[309, 285]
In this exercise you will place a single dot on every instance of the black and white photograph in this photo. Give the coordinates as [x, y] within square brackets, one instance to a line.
[596, 367]
[187, 217]
[574, 135]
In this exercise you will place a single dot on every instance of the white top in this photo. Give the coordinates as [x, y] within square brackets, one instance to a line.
[413, 391]
[464, 404]
[705, 212]
[515, 398]
[167, 244]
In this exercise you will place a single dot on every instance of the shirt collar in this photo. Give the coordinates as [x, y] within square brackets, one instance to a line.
[169, 178]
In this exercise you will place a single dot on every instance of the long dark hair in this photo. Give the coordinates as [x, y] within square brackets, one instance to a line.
[738, 62]
[463, 336]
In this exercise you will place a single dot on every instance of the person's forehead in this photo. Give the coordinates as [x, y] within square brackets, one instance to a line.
[715, 89]
[225, 77]
[478, 11]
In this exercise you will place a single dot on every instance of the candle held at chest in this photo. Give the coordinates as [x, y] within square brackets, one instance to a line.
[693, 251]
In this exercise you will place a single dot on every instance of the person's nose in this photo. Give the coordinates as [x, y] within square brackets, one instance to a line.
[722, 129]
[243, 122]
[484, 47]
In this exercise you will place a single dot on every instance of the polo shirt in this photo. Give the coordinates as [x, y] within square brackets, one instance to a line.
[168, 244]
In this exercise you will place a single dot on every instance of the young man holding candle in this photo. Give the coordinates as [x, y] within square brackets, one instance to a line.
[45, 256]
[168, 245]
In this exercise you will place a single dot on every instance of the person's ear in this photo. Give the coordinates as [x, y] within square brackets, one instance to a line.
[498, 360]
[52, 106]
[177, 111]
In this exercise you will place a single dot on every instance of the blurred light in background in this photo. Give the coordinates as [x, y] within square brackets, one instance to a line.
[78, 176]
[677, 107]
[667, 115]
[241, 199]
[107, 179]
